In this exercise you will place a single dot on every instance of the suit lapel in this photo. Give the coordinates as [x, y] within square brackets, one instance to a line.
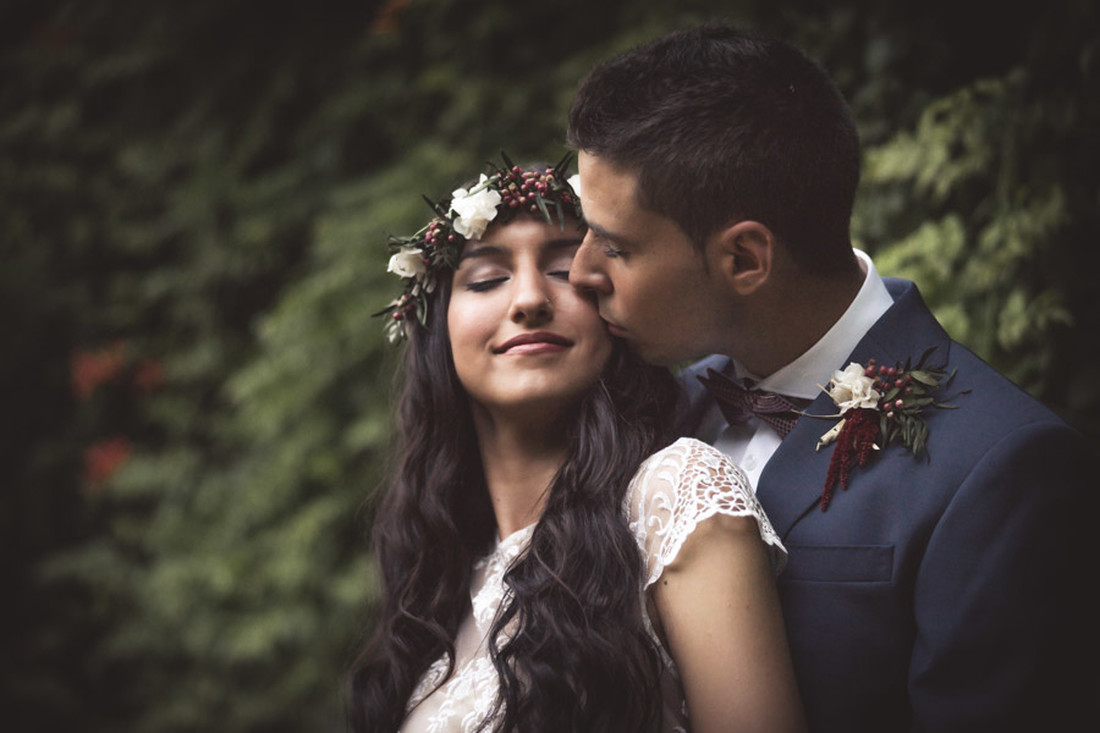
[791, 484]
[793, 479]
[694, 401]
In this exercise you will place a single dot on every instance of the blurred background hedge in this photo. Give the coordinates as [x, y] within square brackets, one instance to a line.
[195, 200]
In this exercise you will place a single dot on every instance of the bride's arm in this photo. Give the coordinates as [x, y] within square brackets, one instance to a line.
[719, 610]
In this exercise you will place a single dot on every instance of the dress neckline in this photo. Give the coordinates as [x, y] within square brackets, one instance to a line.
[515, 540]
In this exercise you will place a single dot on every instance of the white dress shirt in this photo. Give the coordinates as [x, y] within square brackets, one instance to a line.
[751, 445]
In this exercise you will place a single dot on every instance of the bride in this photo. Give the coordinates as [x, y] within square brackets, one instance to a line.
[549, 562]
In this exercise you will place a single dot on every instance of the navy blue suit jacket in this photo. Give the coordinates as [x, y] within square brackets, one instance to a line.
[947, 594]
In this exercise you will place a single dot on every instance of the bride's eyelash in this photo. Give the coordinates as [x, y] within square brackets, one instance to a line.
[481, 286]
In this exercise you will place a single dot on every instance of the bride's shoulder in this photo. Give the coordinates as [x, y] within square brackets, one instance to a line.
[687, 468]
[689, 453]
[682, 485]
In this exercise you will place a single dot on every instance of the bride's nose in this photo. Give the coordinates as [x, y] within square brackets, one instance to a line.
[531, 299]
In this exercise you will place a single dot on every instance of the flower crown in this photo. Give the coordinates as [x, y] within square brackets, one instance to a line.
[497, 196]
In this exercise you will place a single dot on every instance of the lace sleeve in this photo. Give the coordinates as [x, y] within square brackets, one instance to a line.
[682, 485]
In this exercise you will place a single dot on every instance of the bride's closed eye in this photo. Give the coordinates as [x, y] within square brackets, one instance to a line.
[481, 286]
[559, 262]
[484, 285]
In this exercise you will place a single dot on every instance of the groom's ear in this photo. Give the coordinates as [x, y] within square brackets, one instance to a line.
[745, 255]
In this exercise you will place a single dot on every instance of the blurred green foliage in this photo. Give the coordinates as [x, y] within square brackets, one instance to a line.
[196, 199]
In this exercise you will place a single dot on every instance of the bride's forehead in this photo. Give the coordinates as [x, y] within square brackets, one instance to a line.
[528, 226]
[523, 236]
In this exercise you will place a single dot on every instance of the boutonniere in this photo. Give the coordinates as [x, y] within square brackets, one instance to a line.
[879, 405]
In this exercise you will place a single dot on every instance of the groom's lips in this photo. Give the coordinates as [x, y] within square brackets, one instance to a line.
[612, 326]
[614, 329]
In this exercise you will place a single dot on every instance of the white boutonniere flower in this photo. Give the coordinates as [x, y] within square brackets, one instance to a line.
[879, 405]
[851, 388]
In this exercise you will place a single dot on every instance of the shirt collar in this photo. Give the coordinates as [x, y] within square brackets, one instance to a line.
[804, 376]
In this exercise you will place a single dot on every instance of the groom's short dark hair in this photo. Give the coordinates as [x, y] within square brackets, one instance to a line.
[722, 125]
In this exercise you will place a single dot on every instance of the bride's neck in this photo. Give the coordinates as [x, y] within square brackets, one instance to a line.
[520, 460]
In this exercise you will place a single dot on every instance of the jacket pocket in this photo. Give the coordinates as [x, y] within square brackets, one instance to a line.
[839, 563]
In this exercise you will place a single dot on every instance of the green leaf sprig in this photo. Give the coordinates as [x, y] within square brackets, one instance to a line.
[906, 392]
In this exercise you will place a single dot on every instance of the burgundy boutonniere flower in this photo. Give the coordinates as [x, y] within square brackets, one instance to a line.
[879, 405]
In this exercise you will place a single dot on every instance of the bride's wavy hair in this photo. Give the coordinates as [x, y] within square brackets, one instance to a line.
[576, 656]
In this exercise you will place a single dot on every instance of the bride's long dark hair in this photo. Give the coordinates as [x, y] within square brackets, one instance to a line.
[577, 657]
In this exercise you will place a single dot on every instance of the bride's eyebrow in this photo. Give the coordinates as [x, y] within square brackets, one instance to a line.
[563, 243]
[484, 250]
[490, 250]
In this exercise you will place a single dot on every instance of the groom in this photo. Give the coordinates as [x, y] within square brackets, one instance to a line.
[940, 593]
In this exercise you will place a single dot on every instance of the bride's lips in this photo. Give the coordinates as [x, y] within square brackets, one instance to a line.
[536, 342]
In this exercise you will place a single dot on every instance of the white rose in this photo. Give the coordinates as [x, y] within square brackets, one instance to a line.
[575, 183]
[407, 262]
[851, 388]
[474, 210]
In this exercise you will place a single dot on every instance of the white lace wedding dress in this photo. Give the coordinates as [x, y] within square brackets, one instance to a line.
[673, 491]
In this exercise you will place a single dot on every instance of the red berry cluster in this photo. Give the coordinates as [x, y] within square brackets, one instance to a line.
[890, 380]
[521, 188]
[438, 236]
[404, 307]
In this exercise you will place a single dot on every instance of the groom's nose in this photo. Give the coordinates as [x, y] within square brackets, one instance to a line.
[587, 271]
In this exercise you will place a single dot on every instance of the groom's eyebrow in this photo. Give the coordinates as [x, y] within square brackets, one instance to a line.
[609, 235]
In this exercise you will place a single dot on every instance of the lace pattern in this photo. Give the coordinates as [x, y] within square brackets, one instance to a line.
[685, 484]
[461, 702]
[466, 698]
[673, 491]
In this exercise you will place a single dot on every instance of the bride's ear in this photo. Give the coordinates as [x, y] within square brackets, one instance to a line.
[744, 253]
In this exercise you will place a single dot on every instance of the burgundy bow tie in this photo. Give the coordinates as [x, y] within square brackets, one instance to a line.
[739, 404]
